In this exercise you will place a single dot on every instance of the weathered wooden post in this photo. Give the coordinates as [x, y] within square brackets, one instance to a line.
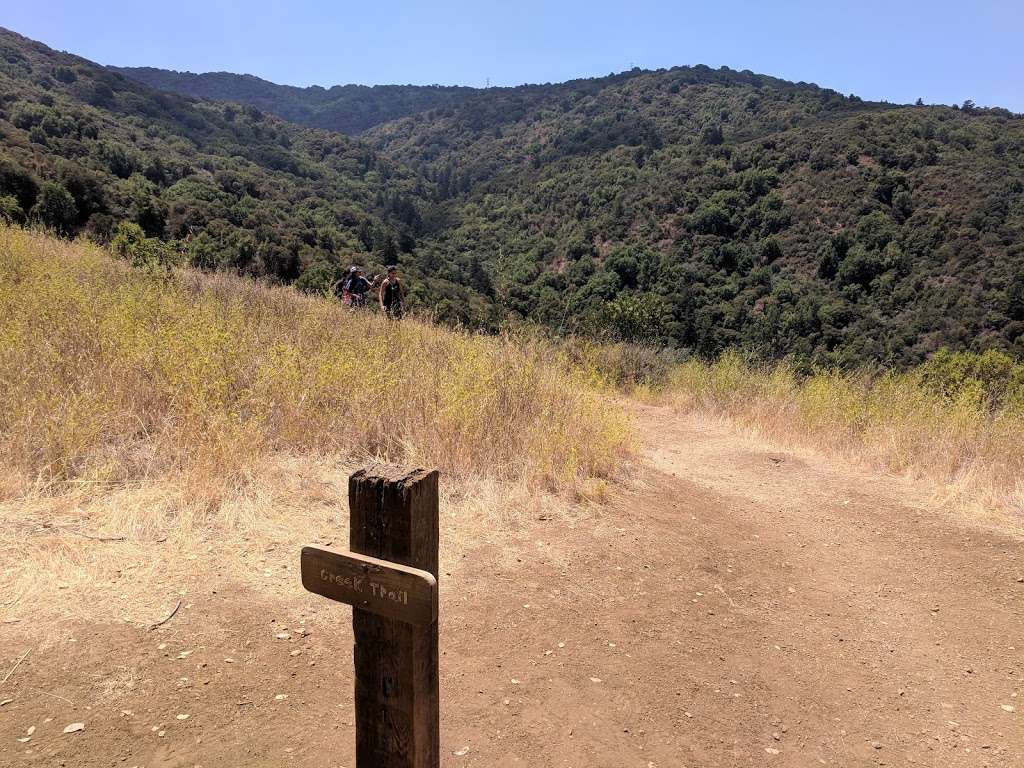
[390, 579]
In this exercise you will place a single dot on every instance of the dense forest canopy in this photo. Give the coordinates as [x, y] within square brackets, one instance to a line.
[696, 208]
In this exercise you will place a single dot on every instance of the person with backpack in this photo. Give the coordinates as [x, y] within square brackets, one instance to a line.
[392, 295]
[357, 286]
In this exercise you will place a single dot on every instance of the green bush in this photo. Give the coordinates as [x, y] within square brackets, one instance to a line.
[320, 279]
[131, 244]
[640, 317]
[1015, 298]
[19, 183]
[55, 207]
[10, 211]
[993, 377]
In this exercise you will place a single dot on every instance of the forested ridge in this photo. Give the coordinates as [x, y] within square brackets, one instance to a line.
[695, 208]
[345, 108]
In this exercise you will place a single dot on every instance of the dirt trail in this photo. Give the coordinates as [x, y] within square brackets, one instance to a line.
[738, 606]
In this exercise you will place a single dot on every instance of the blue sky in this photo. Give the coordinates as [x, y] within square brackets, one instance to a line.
[942, 51]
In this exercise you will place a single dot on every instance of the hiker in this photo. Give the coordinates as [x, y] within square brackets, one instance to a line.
[346, 297]
[355, 288]
[391, 294]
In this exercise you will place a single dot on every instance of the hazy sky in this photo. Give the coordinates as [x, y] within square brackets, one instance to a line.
[941, 51]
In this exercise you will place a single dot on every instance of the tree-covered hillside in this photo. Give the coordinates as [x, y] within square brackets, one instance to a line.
[344, 108]
[709, 209]
[84, 150]
[697, 208]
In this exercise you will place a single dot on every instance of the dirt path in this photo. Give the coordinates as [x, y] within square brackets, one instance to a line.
[740, 606]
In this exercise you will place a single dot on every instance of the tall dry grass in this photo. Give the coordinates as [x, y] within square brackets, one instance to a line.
[111, 375]
[957, 421]
[158, 426]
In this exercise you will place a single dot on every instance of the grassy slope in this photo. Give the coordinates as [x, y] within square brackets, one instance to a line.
[114, 375]
[177, 413]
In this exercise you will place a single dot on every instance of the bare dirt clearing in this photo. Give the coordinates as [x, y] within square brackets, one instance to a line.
[738, 605]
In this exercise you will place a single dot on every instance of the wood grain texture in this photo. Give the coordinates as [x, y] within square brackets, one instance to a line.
[394, 517]
[378, 586]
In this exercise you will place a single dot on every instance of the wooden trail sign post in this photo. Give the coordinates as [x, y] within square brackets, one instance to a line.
[390, 580]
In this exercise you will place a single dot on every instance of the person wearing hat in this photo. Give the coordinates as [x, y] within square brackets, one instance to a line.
[391, 294]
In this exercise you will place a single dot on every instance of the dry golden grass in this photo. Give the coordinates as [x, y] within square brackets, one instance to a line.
[110, 376]
[192, 417]
[968, 446]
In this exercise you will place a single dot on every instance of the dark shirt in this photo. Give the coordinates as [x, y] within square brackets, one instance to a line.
[392, 295]
[358, 285]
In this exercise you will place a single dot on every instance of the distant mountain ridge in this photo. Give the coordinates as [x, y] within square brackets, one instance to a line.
[355, 108]
[348, 109]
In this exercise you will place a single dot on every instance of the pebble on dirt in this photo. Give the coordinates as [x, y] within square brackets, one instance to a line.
[73, 727]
